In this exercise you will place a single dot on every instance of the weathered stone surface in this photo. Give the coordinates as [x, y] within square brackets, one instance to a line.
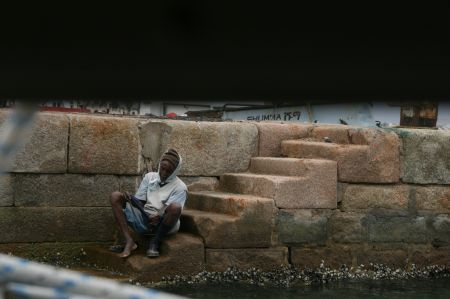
[425, 157]
[207, 148]
[383, 157]
[271, 135]
[56, 224]
[180, 254]
[294, 167]
[351, 159]
[104, 145]
[336, 133]
[55, 253]
[129, 183]
[6, 192]
[369, 155]
[398, 229]
[248, 222]
[347, 228]
[287, 191]
[441, 226]
[45, 149]
[391, 258]
[354, 197]
[431, 256]
[260, 258]
[200, 183]
[318, 188]
[302, 226]
[332, 257]
[229, 203]
[433, 198]
[63, 190]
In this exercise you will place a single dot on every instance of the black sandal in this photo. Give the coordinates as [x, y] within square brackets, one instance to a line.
[116, 248]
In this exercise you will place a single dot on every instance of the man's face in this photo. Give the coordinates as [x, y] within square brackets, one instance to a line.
[165, 169]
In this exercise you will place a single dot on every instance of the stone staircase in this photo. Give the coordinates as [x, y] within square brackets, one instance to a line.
[351, 159]
[362, 155]
[241, 213]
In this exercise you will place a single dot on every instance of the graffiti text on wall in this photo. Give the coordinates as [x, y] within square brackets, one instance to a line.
[286, 116]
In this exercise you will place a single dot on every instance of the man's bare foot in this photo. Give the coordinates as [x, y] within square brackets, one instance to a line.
[129, 247]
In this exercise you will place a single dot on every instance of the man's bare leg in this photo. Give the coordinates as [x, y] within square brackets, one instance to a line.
[118, 203]
[171, 216]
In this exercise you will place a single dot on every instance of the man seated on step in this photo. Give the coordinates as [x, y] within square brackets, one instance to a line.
[155, 208]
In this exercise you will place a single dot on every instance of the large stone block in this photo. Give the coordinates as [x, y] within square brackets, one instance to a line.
[6, 191]
[398, 229]
[441, 226]
[432, 198]
[271, 135]
[332, 257]
[104, 145]
[425, 156]
[129, 184]
[56, 224]
[302, 226]
[63, 190]
[383, 156]
[260, 258]
[347, 228]
[201, 183]
[354, 197]
[207, 148]
[45, 148]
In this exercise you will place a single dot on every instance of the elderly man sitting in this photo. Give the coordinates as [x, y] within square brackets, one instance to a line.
[155, 208]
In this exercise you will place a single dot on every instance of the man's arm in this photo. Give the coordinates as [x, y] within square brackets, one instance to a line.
[141, 193]
[178, 197]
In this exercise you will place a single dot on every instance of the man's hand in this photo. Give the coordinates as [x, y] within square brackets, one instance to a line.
[154, 220]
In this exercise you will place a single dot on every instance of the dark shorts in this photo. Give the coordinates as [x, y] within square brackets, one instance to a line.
[139, 223]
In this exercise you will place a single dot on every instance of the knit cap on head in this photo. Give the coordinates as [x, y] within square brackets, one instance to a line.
[172, 157]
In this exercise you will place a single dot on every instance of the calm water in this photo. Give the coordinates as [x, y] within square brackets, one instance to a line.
[404, 289]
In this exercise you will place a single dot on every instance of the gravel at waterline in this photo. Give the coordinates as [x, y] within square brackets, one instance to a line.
[291, 276]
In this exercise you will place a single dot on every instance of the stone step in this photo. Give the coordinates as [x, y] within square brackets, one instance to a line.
[353, 160]
[253, 229]
[315, 191]
[289, 166]
[224, 203]
[181, 253]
